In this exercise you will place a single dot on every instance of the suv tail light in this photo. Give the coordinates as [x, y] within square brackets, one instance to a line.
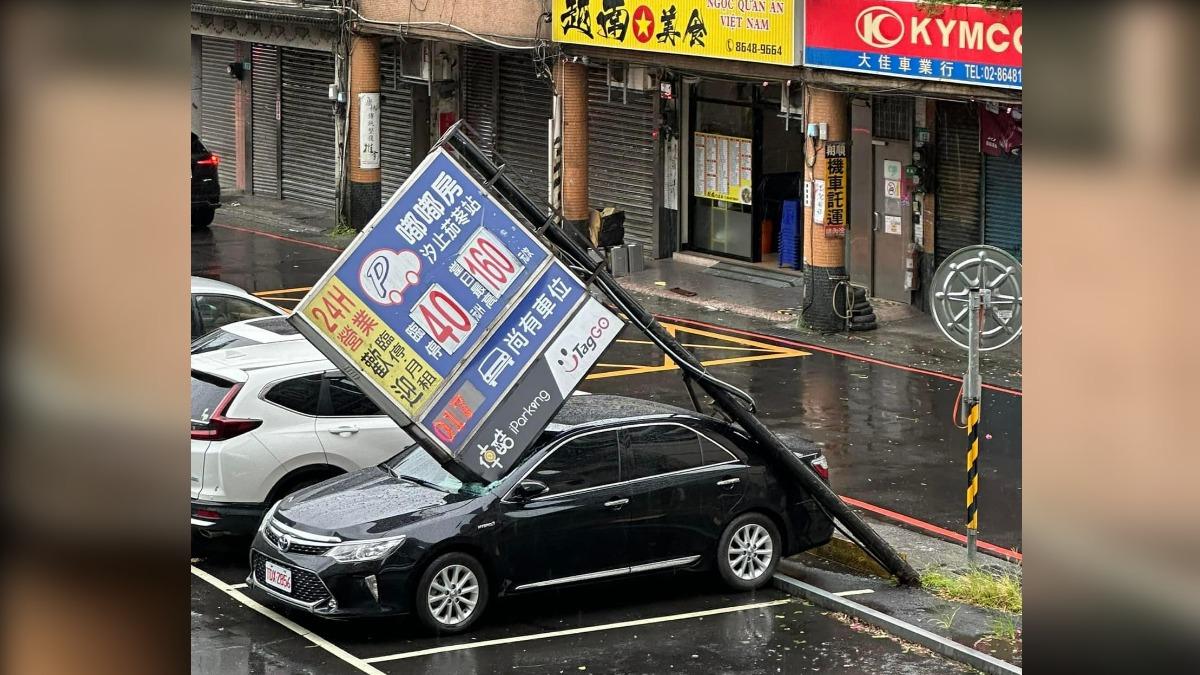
[212, 160]
[222, 428]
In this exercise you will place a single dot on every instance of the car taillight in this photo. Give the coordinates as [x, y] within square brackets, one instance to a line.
[206, 514]
[821, 466]
[222, 428]
[212, 160]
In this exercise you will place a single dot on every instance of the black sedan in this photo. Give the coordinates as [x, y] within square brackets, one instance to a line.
[206, 188]
[656, 488]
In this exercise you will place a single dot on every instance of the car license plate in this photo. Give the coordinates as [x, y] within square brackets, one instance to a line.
[279, 576]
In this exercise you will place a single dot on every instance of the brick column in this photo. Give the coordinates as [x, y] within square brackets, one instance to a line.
[365, 190]
[571, 82]
[823, 258]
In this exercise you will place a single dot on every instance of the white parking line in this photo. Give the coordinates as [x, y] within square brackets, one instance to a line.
[858, 592]
[296, 628]
[574, 631]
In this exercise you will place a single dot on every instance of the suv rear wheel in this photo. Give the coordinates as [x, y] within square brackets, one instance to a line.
[749, 551]
[202, 216]
[452, 593]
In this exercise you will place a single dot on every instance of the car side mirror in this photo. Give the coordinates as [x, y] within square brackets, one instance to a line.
[528, 489]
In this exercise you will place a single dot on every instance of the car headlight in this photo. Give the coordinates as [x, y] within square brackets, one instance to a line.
[269, 515]
[358, 551]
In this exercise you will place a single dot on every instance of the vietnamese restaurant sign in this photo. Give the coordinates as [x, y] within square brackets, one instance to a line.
[966, 44]
[761, 31]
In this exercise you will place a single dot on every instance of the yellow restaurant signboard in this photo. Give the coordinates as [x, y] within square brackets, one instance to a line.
[763, 31]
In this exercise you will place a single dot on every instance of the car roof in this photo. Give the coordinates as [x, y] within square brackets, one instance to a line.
[264, 329]
[605, 408]
[206, 285]
[236, 363]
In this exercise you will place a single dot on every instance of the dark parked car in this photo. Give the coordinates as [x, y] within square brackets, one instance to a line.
[206, 189]
[616, 486]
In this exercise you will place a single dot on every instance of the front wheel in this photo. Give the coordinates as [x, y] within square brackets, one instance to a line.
[202, 217]
[748, 552]
[452, 593]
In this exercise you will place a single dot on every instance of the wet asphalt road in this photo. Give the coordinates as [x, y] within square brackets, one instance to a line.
[888, 432]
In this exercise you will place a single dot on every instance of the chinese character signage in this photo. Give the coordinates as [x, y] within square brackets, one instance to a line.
[450, 314]
[967, 44]
[762, 31]
[835, 190]
[368, 131]
[723, 168]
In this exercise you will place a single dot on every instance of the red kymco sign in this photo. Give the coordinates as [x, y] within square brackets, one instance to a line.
[956, 43]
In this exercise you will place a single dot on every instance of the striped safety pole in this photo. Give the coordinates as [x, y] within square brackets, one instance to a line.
[972, 403]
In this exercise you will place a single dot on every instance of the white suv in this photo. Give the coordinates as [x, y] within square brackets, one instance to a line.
[269, 419]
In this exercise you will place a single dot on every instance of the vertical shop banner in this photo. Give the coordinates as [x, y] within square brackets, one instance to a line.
[761, 31]
[368, 131]
[967, 44]
[723, 168]
[835, 190]
[441, 309]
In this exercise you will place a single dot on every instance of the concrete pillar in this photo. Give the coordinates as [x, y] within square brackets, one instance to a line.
[365, 189]
[242, 116]
[571, 82]
[823, 257]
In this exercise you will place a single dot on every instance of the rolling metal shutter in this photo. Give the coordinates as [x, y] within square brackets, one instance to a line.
[264, 105]
[217, 106]
[1002, 203]
[958, 174]
[525, 108]
[395, 125]
[480, 79]
[307, 128]
[621, 156]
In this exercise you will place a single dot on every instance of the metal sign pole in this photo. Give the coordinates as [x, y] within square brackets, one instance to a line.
[971, 407]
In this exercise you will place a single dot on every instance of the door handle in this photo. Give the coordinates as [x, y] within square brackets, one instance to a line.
[728, 481]
[616, 503]
[344, 429]
[875, 221]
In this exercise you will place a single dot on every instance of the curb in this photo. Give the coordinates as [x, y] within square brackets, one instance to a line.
[847, 553]
[902, 629]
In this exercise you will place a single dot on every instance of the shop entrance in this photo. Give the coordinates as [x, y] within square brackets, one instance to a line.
[893, 220]
[744, 163]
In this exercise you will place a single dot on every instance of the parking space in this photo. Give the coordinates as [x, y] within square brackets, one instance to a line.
[685, 622]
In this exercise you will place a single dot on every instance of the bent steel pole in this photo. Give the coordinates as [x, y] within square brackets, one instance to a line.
[768, 441]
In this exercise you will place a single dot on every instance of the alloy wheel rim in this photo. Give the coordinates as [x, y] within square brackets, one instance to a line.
[453, 595]
[750, 551]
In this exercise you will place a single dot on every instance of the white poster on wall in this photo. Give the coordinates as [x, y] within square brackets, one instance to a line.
[368, 131]
[818, 205]
[671, 174]
[891, 224]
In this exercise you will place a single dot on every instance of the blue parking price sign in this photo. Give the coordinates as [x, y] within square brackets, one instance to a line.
[441, 307]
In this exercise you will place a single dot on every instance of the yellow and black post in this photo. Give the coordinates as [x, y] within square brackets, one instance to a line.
[972, 405]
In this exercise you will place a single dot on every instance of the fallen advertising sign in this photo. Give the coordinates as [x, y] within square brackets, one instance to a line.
[456, 320]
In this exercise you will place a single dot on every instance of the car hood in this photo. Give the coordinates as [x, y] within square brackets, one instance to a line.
[366, 504]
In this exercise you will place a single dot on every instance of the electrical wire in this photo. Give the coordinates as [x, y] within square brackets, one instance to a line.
[956, 412]
[401, 25]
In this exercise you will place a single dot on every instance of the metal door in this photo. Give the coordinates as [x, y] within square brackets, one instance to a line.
[264, 106]
[307, 127]
[893, 221]
[958, 178]
[396, 124]
[479, 81]
[521, 133]
[1002, 203]
[217, 106]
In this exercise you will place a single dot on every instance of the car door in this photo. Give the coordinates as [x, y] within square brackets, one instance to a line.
[679, 500]
[353, 430]
[577, 528]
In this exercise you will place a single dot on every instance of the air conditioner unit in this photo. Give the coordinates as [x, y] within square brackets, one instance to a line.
[638, 77]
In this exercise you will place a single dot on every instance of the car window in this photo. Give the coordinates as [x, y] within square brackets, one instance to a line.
[218, 310]
[584, 462]
[347, 400]
[714, 453]
[207, 394]
[661, 448]
[302, 394]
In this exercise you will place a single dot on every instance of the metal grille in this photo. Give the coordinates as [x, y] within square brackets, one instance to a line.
[264, 105]
[958, 173]
[306, 549]
[892, 117]
[217, 106]
[621, 156]
[521, 136]
[395, 124]
[1002, 203]
[480, 81]
[307, 587]
[306, 126]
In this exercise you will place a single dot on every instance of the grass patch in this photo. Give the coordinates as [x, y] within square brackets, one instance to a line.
[1004, 628]
[976, 587]
[343, 230]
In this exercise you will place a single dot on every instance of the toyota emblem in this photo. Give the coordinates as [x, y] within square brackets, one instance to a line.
[285, 543]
